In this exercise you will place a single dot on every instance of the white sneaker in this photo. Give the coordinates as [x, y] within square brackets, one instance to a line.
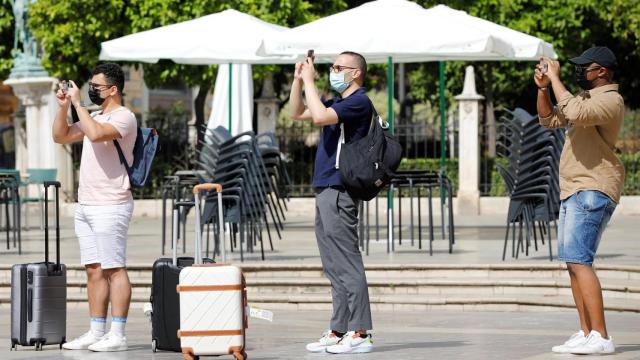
[83, 342]
[110, 342]
[328, 338]
[595, 344]
[575, 339]
[352, 343]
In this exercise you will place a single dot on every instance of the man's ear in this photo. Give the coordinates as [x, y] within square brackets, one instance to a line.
[357, 74]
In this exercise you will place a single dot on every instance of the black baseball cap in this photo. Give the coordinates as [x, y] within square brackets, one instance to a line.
[601, 55]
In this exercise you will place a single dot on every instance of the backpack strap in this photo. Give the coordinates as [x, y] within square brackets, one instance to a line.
[340, 142]
[374, 117]
[123, 161]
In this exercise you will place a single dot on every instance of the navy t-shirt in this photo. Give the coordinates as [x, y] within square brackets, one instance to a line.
[355, 113]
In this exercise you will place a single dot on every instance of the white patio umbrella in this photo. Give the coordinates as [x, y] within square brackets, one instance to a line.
[403, 31]
[407, 32]
[226, 37]
[229, 36]
[237, 100]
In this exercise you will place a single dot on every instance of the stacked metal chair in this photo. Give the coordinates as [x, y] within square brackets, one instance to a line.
[531, 177]
[273, 161]
[255, 188]
[415, 185]
[249, 190]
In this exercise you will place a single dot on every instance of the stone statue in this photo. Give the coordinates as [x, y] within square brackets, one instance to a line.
[26, 62]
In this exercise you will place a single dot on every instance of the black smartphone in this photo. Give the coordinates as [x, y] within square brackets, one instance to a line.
[310, 55]
[544, 67]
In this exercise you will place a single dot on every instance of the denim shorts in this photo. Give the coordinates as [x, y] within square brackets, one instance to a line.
[583, 217]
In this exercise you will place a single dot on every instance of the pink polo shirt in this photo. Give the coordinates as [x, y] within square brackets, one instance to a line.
[103, 179]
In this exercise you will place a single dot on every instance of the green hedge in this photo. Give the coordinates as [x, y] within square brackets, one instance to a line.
[433, 165]
[631, 163]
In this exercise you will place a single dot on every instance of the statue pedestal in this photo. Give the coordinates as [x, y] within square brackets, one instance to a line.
[38, 98]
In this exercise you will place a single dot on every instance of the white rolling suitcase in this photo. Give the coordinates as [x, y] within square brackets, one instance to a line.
[213, 300]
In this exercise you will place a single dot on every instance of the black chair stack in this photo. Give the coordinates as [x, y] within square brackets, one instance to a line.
[255, 188]
[414, 185]
[10, 209]
[250, 192]
[531, 176]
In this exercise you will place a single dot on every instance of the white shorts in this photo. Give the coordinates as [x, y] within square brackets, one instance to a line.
[102, 233]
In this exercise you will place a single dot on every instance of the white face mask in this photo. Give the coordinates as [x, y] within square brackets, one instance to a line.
[337, 82]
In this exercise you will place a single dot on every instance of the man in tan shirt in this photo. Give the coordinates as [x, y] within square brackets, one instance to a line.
[591, 179]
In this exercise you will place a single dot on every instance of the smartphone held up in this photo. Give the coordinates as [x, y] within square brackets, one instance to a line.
[65, 85]
[544, 66]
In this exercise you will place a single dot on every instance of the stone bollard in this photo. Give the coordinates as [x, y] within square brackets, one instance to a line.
[469, 149]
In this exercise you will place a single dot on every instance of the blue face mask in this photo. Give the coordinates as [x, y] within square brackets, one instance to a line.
[337, 82]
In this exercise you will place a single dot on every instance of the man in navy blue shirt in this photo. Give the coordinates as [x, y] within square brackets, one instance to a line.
[336, 212]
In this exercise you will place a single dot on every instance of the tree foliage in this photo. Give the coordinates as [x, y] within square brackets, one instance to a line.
[571, 26]
[6, 38]
[70, 33]
[71, 43]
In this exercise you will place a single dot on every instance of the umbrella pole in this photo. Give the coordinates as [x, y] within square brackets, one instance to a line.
[390, 120]
[443, 145]
[230, 96]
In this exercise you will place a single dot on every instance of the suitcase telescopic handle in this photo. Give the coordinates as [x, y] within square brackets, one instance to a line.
[52, 183]
[207, 186]
[57, 185]
[196, 192]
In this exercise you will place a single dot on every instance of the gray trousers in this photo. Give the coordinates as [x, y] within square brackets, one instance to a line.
[337, 235]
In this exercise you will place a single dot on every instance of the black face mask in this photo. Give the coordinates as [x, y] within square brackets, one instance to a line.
[581, 79]
[94, 96]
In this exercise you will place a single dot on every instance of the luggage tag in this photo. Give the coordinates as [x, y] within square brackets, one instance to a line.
[261, 314]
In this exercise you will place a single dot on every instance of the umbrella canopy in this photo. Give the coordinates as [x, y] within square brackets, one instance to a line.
[229, 36]
[407, 32]
[232, 107]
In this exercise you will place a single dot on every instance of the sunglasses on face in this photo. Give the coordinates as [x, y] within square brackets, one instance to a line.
[582, 70]
[93, 86]
[339, 68]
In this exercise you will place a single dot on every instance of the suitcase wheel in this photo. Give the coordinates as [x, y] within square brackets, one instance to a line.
[13, 346]
[154, 345]
[241, 355]
[190, 357]
[38, 346]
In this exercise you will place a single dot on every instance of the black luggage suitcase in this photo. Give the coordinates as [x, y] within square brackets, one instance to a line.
[39, 293]
[165, 301]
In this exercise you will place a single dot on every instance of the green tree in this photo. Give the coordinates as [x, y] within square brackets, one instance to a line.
[71, 43]
[70, 33]
[6, 38]
[571, 26]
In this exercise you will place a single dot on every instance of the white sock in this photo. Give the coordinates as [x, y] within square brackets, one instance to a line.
[117, 325]
[98, 326]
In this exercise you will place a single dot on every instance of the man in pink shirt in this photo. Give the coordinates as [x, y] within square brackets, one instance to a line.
[105, 203]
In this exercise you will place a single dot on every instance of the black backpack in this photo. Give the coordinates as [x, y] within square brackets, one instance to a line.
[368, 164]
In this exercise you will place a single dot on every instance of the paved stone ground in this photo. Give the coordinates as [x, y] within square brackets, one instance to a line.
[479, 240]
[399, 335]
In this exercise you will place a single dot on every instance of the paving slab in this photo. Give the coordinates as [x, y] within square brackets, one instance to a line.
[477, 242]
[397, 335]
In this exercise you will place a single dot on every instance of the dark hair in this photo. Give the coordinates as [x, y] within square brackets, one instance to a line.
[362, 63]
[113, 73]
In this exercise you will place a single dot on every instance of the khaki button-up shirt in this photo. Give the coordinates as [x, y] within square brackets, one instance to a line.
[593, 120]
